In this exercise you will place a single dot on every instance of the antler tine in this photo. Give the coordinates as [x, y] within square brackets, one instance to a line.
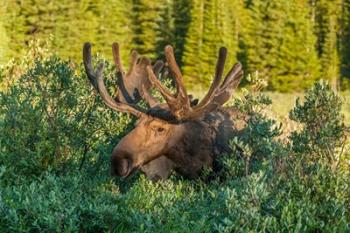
[220, 65]
[217, 95]
[96, 79]
[110, 102]
[133, 60]
[134, 84]
[88, 65]
[121, 90]
[116, 57]
[158, 66]
[145, 93]
[181, 90]
[222, 93]
[163, 91]
[151, 100]
[234, 76]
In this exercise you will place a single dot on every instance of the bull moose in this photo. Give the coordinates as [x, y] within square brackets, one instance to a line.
[182, 134]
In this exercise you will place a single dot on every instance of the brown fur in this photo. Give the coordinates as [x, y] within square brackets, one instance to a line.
[182, 135]
[185, 147]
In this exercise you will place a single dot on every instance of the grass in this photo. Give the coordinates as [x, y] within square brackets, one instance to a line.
[282, 103]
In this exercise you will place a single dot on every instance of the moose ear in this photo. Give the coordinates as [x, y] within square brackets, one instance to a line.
[193, 102]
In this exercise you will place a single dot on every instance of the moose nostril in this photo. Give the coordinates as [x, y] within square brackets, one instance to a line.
[120, 166]
[123, 167]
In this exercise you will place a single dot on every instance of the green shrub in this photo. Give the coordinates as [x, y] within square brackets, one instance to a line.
[257, 144]
[56, 138]
[59, 204]
[324, 134]
[49, 118]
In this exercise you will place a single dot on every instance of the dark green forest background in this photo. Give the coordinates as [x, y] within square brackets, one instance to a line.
[291, 43]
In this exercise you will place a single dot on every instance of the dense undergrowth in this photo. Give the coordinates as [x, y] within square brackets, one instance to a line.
[56, 138]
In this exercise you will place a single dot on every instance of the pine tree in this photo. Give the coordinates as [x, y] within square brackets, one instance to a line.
[172, 26]
[297, 62]
[113, 23]
[77, 23]
[193, 43]
[327, 21]
[230, 12]
[4, 42]
[165, 27]
[280, 45]
[261, 35]
[145, 14]
[70, 23]
[345, 43]
[96, 22]
[291, 43]
[15, 28]
[182, 20]
[212, 26]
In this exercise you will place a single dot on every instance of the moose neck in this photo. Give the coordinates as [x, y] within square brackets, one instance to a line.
[199, 142]
[226, 123]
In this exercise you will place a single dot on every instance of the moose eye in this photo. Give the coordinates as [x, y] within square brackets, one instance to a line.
[160, 129]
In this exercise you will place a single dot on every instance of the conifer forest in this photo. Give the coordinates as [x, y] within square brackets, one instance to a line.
[291, 43]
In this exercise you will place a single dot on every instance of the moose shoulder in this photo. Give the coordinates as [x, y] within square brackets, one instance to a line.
[179, 135]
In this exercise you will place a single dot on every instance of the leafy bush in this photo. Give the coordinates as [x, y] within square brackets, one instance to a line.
[257, 144]
[324, 132]
[48, 119]
[57, 136]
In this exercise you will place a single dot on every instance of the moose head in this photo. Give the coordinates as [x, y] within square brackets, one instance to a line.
[178, 134]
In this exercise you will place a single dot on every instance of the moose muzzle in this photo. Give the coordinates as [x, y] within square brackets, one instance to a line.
[121, 164]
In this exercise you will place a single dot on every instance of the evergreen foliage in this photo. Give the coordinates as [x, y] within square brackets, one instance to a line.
[280, 45]
[327, 20]
[166, 28]
[213, 24]
[290, 43]
[4, 50]
[324, 131]
[145, 15]
[345, 44]
[182, 18]
[70, 24]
